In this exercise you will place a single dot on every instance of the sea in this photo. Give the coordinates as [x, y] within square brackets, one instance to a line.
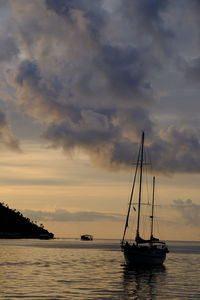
[75, 269]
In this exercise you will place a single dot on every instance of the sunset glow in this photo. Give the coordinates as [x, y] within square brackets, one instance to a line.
[79, 82]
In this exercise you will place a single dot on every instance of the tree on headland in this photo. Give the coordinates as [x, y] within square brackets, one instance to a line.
[14, 225]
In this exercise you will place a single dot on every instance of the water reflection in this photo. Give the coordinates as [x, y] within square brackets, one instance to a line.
[143, 283]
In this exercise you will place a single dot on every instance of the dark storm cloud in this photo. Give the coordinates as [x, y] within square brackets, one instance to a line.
[106, 147]
[61, 7]
[6, 137]
[89, 72]
[83, 135]
[191, 70]
[8, 49]
[91, 10]
[40, 97]
[28, 70]
[148, 18]
[136, 118]
[196, 4]
[125, 68]
[189, 211]
[63, 215]
[177, 150]
[103, 141]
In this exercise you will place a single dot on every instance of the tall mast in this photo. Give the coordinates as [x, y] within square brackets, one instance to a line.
[152, 208]
[140, 186]
[131, 196]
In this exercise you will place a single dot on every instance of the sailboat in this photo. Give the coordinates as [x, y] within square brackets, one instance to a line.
[141, 251]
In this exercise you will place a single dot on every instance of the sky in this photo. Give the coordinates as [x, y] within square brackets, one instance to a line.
[80, 80]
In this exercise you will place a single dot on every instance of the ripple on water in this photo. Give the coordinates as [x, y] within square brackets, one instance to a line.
[30, 270]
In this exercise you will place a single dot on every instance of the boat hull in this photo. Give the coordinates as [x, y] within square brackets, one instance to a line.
[144, 256]
[86, 237]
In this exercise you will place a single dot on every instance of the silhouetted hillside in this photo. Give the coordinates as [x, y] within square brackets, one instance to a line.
[14, 225]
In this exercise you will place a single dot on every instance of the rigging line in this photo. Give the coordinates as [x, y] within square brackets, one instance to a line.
[140, 186]
[152, 209]
[131, 225]
[150, 162]
[157, 229]
[146, 175]
[131, 196]
[142, 203]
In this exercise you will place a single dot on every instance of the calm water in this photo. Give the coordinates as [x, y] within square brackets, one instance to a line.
[73, 269]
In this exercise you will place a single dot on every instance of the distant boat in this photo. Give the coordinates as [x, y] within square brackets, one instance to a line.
[86, 237]
[141, 251]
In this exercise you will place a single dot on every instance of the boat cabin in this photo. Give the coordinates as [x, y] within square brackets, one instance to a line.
[86, 237]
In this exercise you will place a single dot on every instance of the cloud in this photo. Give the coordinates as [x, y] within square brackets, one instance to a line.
[6, 137]
[67, 9]
[81, 102]
[149, 20]
[176, 150]
[191, 70]
[9, 48]
[90, 73]
[189, 211]
[63, 215]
